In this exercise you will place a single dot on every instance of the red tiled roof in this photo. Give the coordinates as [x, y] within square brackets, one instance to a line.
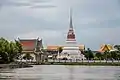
[28, 45]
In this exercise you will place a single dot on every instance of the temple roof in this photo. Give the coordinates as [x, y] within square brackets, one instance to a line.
[52, 47]
[81, 47]
[30, 44]
[106, 47]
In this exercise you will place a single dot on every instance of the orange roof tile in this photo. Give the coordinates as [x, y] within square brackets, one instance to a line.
[52, 47]
[82, 47]
[105, 47]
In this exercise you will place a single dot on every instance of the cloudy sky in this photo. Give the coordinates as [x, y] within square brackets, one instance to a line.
[95, 21]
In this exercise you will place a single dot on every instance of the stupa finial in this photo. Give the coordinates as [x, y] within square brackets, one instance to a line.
[71, 25]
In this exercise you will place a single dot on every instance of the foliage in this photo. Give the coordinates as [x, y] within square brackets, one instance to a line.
[9, 50]
[99, 55]
[117, 47]
[105, 55]
[19, 46]
[27, 56]
[60, 49]
[113, 55]
[89, 54]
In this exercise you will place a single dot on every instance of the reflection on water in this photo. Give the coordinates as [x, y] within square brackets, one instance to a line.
[61, 72]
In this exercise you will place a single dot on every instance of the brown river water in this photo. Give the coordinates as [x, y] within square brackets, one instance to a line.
[61, 72]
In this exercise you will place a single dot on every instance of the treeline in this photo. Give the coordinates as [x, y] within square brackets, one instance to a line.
[107, 55]
[9, 50]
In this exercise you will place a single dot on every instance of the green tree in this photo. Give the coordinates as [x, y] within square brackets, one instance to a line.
[4, 48]
[19, 48]
[117, 47]
[106, 55]
[118, 56]
[99, 55]
[118, 52]
[89, 54]
[114, 55]
[60, 49]
[12, 53]
[4, 58]
[8, 50]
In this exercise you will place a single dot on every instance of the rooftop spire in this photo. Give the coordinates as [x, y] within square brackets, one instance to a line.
[71, 25]
[71, 34]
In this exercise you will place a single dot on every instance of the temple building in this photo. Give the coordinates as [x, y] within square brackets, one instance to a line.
[105, 47]
[71, 50]
[31, 46]
[55, 48]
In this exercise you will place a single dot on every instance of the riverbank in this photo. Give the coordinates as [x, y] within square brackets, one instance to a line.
[24, 65]
[4, 65]
[14, 65]
[83, 63]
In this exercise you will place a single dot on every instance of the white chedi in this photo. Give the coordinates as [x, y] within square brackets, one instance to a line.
[70, 53]
[71, 50]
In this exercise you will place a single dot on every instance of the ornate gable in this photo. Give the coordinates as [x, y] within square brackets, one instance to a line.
[105, 47]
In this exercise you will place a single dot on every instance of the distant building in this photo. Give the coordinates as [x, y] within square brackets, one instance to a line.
[30, 46]
[55, 48]
[105, 47]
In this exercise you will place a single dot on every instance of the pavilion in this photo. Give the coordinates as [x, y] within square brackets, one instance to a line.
[31, 46]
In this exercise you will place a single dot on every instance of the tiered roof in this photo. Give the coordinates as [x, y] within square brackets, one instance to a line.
[106, 47]
[29, 45]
